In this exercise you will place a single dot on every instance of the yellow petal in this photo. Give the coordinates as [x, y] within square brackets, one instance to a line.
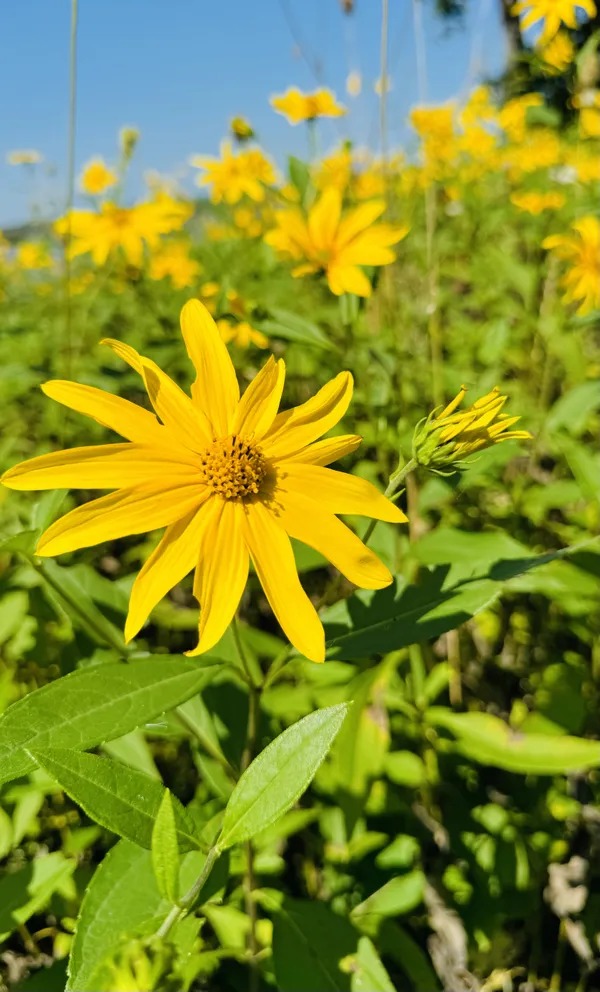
[275, 566]
[324, 218]
[169, 563]
[259, 404]
[304, 520]
[328, 450]
[293, 429]
[348, 279]
[128, 511]
[103, 466]
[358, 220]
[127, 419]
[221, 572]
[337, 492]
[216, 391]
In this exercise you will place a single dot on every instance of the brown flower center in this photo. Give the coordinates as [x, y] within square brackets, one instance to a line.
[233, 467]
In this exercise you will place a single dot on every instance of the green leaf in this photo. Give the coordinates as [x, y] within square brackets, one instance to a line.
[117, 797]
[309, 942]
[94, 705]
[572, 411]
[24, 893]
[299, 174]
[399, 895]
[165, 850]
[288, 325]
[368, 973]
[397, 944]
[132, 749]
[490, 741]
[79, 607]
[279, 775]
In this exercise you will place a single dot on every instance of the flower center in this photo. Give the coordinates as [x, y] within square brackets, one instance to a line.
[233, 467]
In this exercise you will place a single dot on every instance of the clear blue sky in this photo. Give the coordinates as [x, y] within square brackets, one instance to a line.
[179, 69]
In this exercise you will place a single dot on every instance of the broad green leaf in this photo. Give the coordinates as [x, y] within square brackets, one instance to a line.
[584, 463]
[399, 895]
[117, 797]
[133, 750]
[368, 973]
[79, 607]
[405, 768]
[299, 174]
[490, 741]
[165, 850]
[279, 775]
[94, 705]
[309, 943]
[285, 324]
[24, 893]
[573, 409]
[397, 944]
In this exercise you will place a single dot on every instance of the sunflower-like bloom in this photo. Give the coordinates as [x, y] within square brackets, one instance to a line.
[444, 440]
[230, 479]
[96, 177]
[172, 260]
[127, 228]
[582, 251]
[234, 175]
[535, 203]
[328, 242]
[554, 13]
[298, 106]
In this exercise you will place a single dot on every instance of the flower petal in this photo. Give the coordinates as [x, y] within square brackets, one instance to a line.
[348, 279]
[358, 220]
[275, 566]
[221, 572]
[337, 492]
[128, 511]
[304, 520]
[328, 450]
[169, 563]
[293, 429]
[216, 391]
[323, 219]
[259, 404]
[127, 419]
[101, 466]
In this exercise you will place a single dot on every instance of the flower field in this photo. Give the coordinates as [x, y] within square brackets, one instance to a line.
[299, 557]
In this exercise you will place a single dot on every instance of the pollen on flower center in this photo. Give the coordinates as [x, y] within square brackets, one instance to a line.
[233, 467]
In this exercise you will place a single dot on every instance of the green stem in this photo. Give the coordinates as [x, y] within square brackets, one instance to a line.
[278, 663]
[70, 183]
[188, 900]
[394, 484]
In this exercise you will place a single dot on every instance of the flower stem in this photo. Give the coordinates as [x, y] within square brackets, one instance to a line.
[70, 184]
[188, 900]
[395, 481]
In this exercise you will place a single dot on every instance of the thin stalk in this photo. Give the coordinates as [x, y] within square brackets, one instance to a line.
[384, 86]
[455, 684]
[235, 626]
[188, 900]
[70, 184]
[394, 484]
[559, 959]
[249, 877]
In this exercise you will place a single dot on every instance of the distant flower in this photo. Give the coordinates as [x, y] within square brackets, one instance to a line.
[354, 83]
[588, 104]
[33, 255]
[172, 260]
[479, 107]
[335, 170]
[25, 156]
[535, 203]
[208, 293]
[126, 228]
[512, 117]
[337, 245]
[242, 335]
[582, 252]
[445, 439]
[97, 177]
[369, 183]
[553, 13]
[557, 55]
[241, 129]
[298, 106]
[382, 85]
[235, 175]
[128, 139]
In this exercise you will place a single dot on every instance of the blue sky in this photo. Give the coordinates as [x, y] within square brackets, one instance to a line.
[179, 69]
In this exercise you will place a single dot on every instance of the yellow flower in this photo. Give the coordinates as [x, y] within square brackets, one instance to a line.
[328, 242]
[247, 221]
[434, 124]
[541, 149]
[230, 479]
[588, 104]
[512, 117]
[241, 128]
[582, 251]
[443, 441]
[368, 184]
[25, 156]
[553, 13]
[557, 55]
[298, 106]
[97, 177]
[173, 260]
[479, 107]
[127, 228]
[536, 203]
[354, 83]
[33, 255]
[242, 335]
[234, 175]
[208, 293]
[334, 170]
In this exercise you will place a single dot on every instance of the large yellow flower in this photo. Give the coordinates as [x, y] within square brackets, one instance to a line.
[582, 251]
[554, 13]
[298, 106]
[230, 479]
[328, 242]
[127, 228]
[233, 175]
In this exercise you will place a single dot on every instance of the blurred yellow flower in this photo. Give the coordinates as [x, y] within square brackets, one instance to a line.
[242, 335]
[241, 128]
[588, 104]
[557, 55]
[541, 149]
[233, 175]
[512, 117]
[25, 156]
[298, 106]
[172, 259]
[535, 203]
[33, 255]
[126, 228]
[444, 440]
[479, 107]
[97, 177]
[582, 251]
[354, 83]
[334, 244]
[369, 183]
[247, 221]
[229, 478]
[334, 170]
[554, 13]
[207, 294]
